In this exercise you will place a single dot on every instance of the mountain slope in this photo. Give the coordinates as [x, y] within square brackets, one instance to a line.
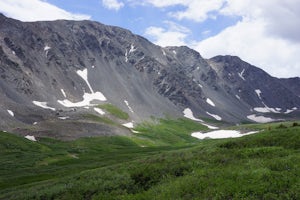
[53, 74]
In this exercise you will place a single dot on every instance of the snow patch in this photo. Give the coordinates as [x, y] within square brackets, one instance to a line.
[87, 98]
[188, 113]
[260, 119]
[210, 102]
[266, 109]
[47, 48]
[217, 117]
[129, 125]
[200, 85]
[242, 74]
[174, 52]
[132, 48]
[126, 56]
[210, 126]
[238, 97]
[13, 52]
[63, 92]
[100, 111]
[84, 75]
[290, 110]
[43, 105]
[261, 109]
[220, 134]
[11, 113]
[63, 118]
[163, 52]
[30, 137]
[34, 123]
[93, 67]
[258, 92]
[127, 104]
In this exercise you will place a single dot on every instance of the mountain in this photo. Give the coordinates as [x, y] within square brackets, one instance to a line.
[57, 76]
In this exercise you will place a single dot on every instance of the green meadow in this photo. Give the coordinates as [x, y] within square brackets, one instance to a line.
[159, 161]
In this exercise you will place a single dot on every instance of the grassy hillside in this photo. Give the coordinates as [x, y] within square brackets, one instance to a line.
[149, 165]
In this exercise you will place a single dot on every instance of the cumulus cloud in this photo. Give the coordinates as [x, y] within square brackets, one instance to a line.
[112, 4]
[36, 10]
[173, 35]
[196, 10]
[267, 34]
[249, 41]
[281, 17]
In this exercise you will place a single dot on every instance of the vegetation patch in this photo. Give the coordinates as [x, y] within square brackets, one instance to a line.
[169, 131]
[97, 118]
[265, 165]
[115, 111]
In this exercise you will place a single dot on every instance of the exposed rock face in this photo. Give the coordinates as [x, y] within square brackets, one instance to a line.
[293, 84]
[59, 68]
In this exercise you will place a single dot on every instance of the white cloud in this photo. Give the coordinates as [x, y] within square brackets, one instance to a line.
[267, 34]
[173, 35]
[158, 3]
[248, 40]
[36, 10]
[281, 17]
[112, 4]
[196, 10]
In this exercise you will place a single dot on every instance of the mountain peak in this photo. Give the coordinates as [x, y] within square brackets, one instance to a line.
[52, 71]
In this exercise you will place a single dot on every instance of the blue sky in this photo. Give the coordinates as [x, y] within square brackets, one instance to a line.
[263, 33]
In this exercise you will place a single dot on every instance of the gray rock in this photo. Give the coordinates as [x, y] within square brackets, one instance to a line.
[40, 59]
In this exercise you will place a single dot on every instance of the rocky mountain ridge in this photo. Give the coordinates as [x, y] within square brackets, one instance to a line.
[54, 74]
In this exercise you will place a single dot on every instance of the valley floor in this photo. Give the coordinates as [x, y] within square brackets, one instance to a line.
[160, 161]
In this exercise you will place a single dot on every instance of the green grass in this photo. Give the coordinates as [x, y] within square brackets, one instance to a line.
[175, 166]
[101, 119]
[168, 132]
[115, 111]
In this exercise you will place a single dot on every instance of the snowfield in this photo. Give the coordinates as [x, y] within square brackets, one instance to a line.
[266, 109]
[260, 119]
[221, 134]
[188, 113]
[87, 97]
[43, 105]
